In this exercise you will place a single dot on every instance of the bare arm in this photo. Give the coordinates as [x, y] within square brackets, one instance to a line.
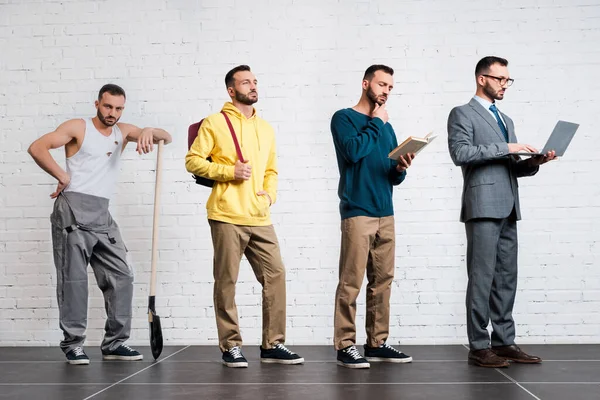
[40, 151]
[145, 137]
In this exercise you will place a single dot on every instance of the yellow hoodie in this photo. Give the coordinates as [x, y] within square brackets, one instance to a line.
[236, 201]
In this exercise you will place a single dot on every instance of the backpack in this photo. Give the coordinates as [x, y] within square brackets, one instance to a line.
[193, 133]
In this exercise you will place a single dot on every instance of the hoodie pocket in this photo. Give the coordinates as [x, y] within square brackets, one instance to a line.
[260, 207]
[222, 202]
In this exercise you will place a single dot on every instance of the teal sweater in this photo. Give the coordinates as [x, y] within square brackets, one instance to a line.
[362, 145]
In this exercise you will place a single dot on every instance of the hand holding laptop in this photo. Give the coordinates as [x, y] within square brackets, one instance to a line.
[543, 159]
[536, 159]
[514, 148]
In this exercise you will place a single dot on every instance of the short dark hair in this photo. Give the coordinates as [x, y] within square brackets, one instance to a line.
[113, 89]
[483, 66]
[229, 80]
[370, 72]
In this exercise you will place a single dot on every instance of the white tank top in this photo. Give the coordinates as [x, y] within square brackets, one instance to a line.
[94, 169]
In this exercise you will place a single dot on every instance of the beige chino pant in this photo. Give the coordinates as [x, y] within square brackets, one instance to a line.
[368, 244]
[260, 245]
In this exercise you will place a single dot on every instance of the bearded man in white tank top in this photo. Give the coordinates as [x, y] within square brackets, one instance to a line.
[83, 231]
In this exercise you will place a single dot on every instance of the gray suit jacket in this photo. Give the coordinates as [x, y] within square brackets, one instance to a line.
[477, 145]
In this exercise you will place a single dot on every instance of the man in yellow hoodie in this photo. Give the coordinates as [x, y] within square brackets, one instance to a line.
[239, 216]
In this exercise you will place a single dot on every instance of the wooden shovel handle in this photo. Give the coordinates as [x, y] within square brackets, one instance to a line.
[155, 217]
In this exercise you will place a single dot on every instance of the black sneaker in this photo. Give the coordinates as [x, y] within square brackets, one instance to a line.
[77, 357]
[279, 354]
[124, 353]
[351, 358]
[386, 353]
[234, 358]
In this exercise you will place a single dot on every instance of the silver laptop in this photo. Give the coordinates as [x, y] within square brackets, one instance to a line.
[558, 141]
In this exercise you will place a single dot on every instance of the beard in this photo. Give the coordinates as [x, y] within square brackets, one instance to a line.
[375, 99]
[106, 122]
[245, 98]
[493, 94]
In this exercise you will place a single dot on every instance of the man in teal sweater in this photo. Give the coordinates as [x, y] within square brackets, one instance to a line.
[363, 139]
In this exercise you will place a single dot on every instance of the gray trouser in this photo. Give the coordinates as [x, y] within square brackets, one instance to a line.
[492, 269]
[83, 232]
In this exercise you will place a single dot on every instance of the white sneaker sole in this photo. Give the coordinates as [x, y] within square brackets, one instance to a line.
[354, 366]
[277, 361]
[122, 358]
[78, 362]
[390, 360]
[236, 364]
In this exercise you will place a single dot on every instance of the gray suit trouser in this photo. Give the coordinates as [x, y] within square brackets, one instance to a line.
[83, 232]
[492, 271]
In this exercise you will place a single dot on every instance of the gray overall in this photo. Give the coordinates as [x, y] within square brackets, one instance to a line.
[83, 232]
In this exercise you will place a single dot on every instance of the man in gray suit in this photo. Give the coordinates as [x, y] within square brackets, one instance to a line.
[480, 140]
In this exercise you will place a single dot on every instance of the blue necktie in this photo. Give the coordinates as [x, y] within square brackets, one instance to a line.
[500, 123]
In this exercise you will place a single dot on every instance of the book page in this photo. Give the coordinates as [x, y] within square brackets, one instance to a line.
[429, 137]
[411, 145]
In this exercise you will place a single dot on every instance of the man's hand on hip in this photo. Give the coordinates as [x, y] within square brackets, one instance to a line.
[264, 193]
[63, 182]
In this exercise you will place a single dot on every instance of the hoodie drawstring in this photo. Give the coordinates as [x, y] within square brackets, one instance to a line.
[256, 133]
[230, 109]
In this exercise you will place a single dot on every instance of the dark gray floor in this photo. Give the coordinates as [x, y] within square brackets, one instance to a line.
[569, 372]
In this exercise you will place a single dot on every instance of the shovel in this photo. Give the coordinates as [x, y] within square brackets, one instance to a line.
[156, 337]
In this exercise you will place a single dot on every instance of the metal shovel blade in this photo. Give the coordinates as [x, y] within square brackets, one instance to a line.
[156, 337]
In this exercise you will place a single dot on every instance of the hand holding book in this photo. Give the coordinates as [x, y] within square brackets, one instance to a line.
[405, 161]
[411, 145]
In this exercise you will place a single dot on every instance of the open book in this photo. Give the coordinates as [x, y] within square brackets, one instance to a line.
[411, 145]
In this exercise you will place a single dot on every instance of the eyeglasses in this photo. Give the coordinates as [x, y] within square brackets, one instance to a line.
[502, 81]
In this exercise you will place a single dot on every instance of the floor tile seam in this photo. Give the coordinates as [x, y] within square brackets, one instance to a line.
[138, 372]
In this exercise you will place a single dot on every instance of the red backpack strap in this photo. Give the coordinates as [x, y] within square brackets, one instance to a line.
[193, 132]
[235, 141]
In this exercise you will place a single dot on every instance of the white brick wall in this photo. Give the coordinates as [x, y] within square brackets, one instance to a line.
[309, 57]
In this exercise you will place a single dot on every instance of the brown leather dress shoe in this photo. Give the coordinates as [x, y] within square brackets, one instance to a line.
[487, 358]
[514, 353]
